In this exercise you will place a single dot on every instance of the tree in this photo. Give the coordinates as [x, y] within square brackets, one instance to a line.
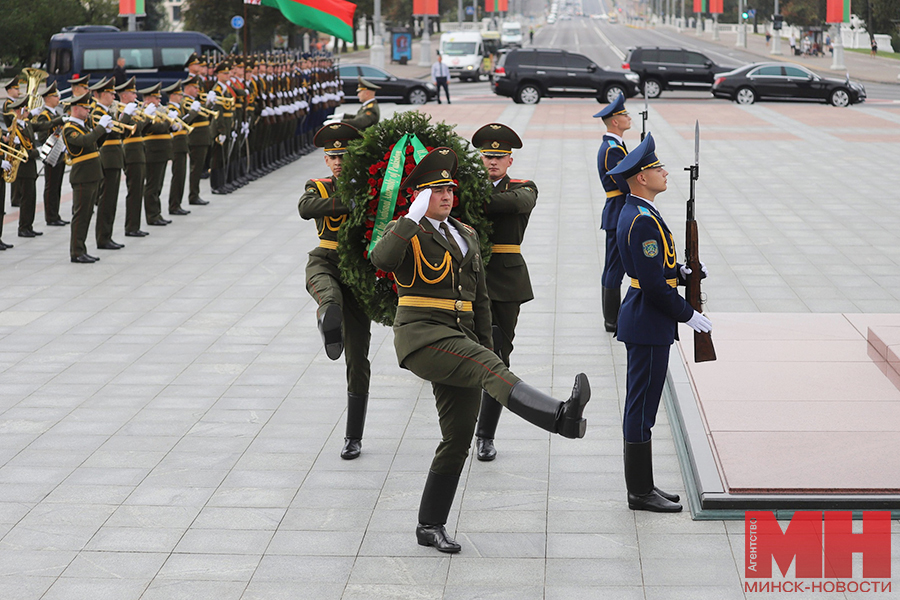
[804, 13]
[881, 16]
[213, 17]
[26, 27]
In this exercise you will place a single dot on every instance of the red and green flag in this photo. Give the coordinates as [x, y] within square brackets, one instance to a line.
[131, 7]
[496, 5]
[328, 16]
[838, 11]
[708, 6]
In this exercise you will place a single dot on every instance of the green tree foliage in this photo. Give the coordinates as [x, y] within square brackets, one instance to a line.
[156, 19]
[804, 13]
[213, 17]
[881, 16]
[26, 27]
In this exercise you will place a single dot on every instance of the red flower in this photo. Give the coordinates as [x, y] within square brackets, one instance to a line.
[409, 169]
[390, 276]
[380, 181]
[394, 287]
[372, 170]
[409, 150]
[380, 274]
[401, 201]
[387, 155]
[455, 201]
[369, 235]
[371, 182]
[373, 192]
[365, 254]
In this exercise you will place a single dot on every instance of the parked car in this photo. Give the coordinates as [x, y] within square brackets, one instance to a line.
[527, 75]
[409, 91]
[782, 81]
[671, 68]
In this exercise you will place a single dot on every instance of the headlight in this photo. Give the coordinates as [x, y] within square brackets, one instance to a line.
[430, 86]
[469, 68]
[632, 77]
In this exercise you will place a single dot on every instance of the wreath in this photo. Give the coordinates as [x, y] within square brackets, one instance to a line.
[361, 180]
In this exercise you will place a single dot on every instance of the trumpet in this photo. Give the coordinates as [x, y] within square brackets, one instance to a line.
[223, 101]
[137, 115]
[162, 116]
[208, 112]
[16, 157]
[116, 126]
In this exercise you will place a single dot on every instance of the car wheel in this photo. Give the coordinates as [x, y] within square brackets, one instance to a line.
[417, 96]
[745, 95]
[612, 92]
[839, 97]
[652, 88]
[529, 94]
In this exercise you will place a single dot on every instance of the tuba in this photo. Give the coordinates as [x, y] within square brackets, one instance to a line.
[34, 78]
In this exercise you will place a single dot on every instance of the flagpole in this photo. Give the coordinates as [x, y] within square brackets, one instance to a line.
[376, 52]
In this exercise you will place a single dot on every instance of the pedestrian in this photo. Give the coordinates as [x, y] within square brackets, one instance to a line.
[531, 35]
[649, 317]
[793, 43]
[768, 37]
[874, 46]
[440, 76]
[119, 74]
[828, 44]
[442, 333]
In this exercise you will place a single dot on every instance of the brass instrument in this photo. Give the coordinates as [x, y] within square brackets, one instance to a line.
[137, 115]
[162, 115]
[34, 77]
[116, 126]
[223, 101]
[16, 156]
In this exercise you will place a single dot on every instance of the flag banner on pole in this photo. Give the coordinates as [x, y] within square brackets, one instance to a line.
[701, 6]
[131, 7]
[328, 16]
[254, 2]
[716, 7]
[496, 5]
[426, 7]
[838, 11]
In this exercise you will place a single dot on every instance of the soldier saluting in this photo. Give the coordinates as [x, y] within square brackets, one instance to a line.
[442, 333]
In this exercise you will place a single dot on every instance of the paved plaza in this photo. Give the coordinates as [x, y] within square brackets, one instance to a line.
[170, 426]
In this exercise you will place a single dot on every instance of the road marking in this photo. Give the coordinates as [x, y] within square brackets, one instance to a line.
[612, 46]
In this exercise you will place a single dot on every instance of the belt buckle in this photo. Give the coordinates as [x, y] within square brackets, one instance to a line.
[458, 305]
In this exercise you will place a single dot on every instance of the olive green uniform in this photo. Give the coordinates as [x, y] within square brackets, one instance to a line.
[157, 152]
[26, 180]
[112, 157]
[135, 172]
[199, 140]
[180, 151]
[85, 176]
[368, 114]
[46, 121]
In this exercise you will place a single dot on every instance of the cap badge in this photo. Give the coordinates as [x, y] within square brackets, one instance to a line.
[495, 126]
[495, 144]
[335, 126]
[444, 152]
[337, 143]
[445, 174]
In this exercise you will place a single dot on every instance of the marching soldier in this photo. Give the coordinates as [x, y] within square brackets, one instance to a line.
[442, 333]
[135, 161]
[508, 283]
[198, 139]
[649, 316]
[112, 158]
[180, 150]
[612, 151]
[21, 136]
[86, 173]
[157, 152]
[45, 123]
[342, 322]
[368, 114]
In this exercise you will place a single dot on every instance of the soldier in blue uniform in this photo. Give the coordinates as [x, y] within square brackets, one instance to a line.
[612, 151]
[649, 316]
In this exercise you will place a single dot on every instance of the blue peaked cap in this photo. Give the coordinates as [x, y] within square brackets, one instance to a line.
[615, 107]
[641, 158]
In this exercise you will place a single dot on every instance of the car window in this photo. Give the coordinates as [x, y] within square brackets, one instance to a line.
[796, 72]
[100, 59]
[509, 59]
[138, 58]
[695, 58]
[550, 59]
[577, 61]
[348, 71]
[373, 73]
[648, 56]
[671, 56]
[458, 48]
[770, 71]
[60, 61]
[174, 58]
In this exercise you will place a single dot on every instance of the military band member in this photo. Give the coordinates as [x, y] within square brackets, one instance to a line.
[135, 162]
[46, 122]
[224, 132]
[87, 171]
[157, 153]
[442, 333]
[199, 138]
[79, 85]
[112, 158]
[21, 136]
[369, 113]
[12, 90]
[612, 151]
[179, 150]
[342, 323]
[9, 117]
[648, 320]
[508, 283]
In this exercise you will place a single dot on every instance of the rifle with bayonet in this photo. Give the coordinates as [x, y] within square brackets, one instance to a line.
[703, 345]
[644, 115]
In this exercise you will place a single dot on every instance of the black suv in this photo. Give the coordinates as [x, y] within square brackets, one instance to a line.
[671, 68]
[529, 74]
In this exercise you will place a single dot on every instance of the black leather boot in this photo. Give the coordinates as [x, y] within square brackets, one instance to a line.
[488, 417]
[642, 494]
[611, 298]
[356, 422]
[437, 497]
[550, 414]
[331, 328]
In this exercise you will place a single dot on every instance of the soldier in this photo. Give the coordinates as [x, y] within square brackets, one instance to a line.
[79, 85]
[192, 65]
[368, 114]
[9, 117]
[342, 322]
[179, 149]
[86, 173]
[224, 123]
[112, 158]
[135, 161]
[649, 317]
[157, 152]
[508, 283]
[612, 151]
[442, 333]
[44, 123]
[21, 136]
[198, 139]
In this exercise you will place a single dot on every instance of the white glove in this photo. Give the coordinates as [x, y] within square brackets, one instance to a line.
[420, 205]
[15, 140]
[105, 121]
[698, 322]
[173, 114]
[130, 108]
[195, 106]
[265, 96]
[221, 138]
[36, 111]
[245, 128]
[150, 110]
[176, 126]
[211, 98]
[6, 165]
[234, 135]
[686, 270]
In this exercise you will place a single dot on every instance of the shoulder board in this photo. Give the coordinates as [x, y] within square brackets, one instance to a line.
[645, 211]
[612, 144]
[323, 180]
[518, 181]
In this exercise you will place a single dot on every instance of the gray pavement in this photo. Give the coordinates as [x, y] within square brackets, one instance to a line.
[170, 427]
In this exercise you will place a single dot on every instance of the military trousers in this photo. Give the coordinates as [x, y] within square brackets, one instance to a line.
[458, 369]
[27, 202]
[327, 289]
[504, 317]
[53, 180]
[153, 183]
[2, 204]
[84, 197]
[613, 269]
[198, 165]
[134, 181]
[647, 367]
[107, 202]
[176, 187]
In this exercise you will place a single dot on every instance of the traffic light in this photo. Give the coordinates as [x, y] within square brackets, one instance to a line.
[745, 15]
[777, 22]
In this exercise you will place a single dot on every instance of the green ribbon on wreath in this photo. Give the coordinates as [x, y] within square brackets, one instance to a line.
[393, 177]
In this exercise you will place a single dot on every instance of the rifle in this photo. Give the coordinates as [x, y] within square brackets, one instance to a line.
[703, 344]
[644, 114]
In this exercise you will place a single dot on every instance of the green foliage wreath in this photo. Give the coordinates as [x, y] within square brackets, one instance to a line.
[360, 183]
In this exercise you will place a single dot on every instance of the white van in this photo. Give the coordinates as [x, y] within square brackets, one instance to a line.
[511, 35]
[462, 52]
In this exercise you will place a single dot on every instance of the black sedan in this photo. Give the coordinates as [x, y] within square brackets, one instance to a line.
[410, 91]
[783, 81]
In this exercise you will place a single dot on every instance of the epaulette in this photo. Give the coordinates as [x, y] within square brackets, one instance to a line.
[645, 211]
[612, 144]
[518, 181]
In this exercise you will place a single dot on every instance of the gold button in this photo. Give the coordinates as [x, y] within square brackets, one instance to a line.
[460, 287]
[457, 319]
[458, 305]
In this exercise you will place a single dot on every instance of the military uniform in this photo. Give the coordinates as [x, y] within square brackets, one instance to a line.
[157, 153]
[224, 127]
[199, 140]
[368, 114]
[135, 166]
[180, 151]
[21, 136]
[112, 157]
[44, 125]
[442, 333]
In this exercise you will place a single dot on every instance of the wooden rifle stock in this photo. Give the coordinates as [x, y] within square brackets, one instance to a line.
[703, 345]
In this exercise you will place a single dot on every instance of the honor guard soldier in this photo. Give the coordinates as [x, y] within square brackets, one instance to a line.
[157, 152]
[86, 173]
[442, 333]
[180, 150]
[342, 322]
[508, 283]
[368, 114]
[21, 136]
[135, 161]
[612, 151]
[649, 316]
[224, 129]
[192, 65]
[199, 138]
[48, 121]
[112, 158]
